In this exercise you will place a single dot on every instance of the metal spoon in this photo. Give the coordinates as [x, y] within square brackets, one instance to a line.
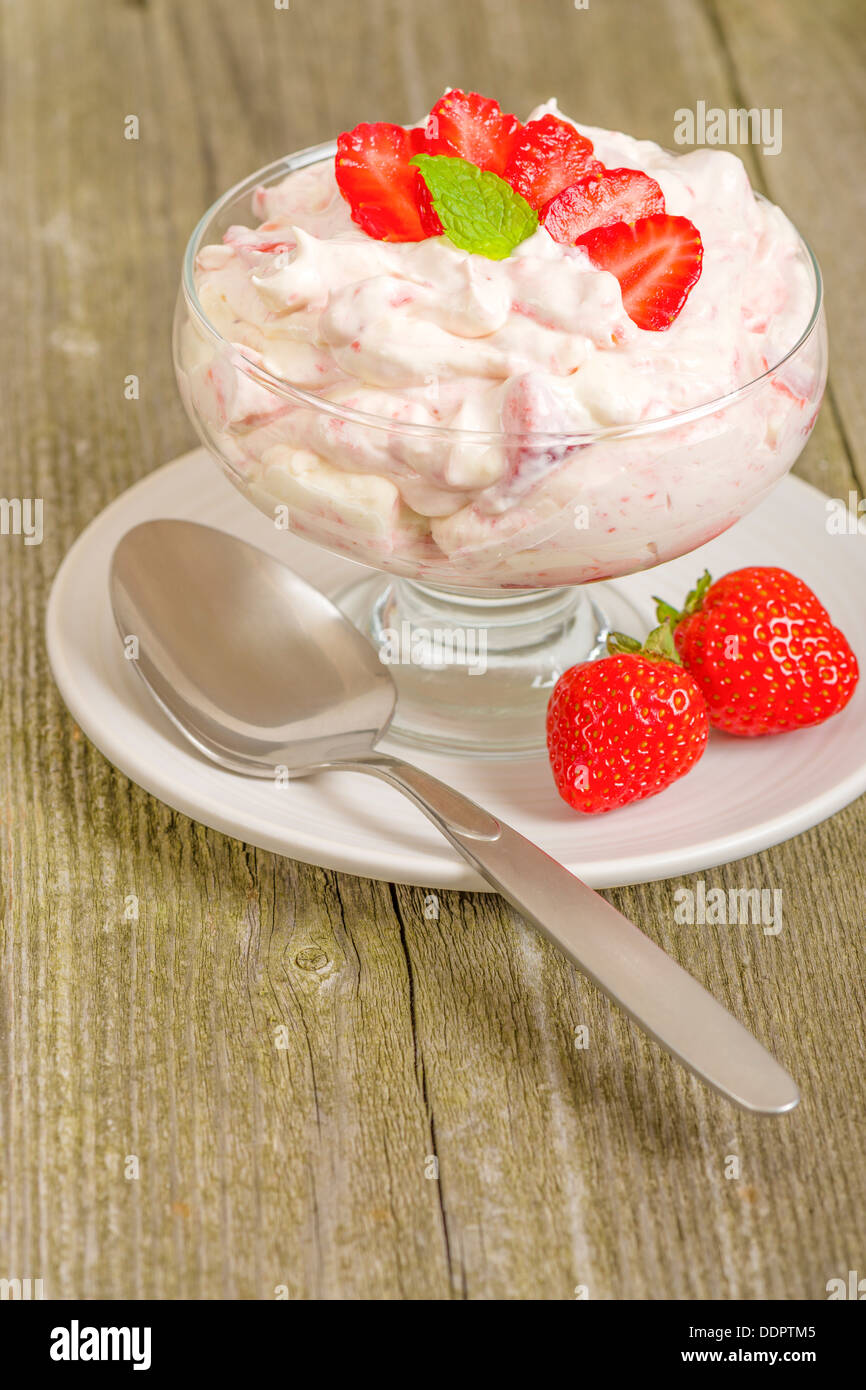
[260, 671]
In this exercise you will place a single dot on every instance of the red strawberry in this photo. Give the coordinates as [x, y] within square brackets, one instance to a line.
[548, 155]
[624, 727]
[473, 127]
[428, 214]
[380, 185]
[619, 195]
[657, 261]
[764, 652]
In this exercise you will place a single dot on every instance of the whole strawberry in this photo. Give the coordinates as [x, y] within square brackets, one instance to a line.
[764, 652]
[626, 726]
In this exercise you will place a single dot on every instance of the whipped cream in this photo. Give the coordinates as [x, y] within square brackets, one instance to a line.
[422, 333]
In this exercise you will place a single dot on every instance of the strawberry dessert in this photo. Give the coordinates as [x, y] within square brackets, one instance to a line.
[491, 354]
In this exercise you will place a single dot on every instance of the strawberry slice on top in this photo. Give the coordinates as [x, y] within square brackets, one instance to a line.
[619, 195]
[429, 216]
[382, 188]
[548, 155]
[474, 128]
[657, 261]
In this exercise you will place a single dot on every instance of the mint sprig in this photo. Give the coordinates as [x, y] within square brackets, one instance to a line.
[478, 210]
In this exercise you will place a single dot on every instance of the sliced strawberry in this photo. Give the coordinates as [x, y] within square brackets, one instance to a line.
[548, 155]
[619, 195]
[378, 182]
[657, 261]
[428, 214]
[473, 127]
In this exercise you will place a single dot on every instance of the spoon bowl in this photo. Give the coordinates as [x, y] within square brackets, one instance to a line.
[258, 668]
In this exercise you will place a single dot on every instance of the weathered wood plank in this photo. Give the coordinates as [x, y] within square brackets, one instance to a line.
[407, 1037]
[810, 62]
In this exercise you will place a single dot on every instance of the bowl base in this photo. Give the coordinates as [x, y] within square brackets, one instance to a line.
[474, 674]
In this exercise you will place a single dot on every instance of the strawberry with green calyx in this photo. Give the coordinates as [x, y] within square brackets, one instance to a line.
[763, 650]
[626, 726]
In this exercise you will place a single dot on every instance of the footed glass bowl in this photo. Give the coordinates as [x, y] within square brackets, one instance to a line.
[479, 612]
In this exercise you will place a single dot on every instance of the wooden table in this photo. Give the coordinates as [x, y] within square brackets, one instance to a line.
[307, 1169]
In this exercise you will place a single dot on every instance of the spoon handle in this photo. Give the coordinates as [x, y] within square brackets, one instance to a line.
[625, 964]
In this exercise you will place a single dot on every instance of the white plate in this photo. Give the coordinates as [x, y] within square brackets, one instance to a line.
[743, 796]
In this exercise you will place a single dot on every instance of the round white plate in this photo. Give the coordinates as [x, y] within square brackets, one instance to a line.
[743, 796]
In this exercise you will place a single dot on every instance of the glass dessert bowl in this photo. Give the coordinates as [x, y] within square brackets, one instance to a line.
[492, 551]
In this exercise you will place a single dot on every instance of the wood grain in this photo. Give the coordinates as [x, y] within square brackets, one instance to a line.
[284, 1051]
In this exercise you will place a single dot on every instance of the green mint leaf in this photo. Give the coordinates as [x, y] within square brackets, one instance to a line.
[479, 211]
